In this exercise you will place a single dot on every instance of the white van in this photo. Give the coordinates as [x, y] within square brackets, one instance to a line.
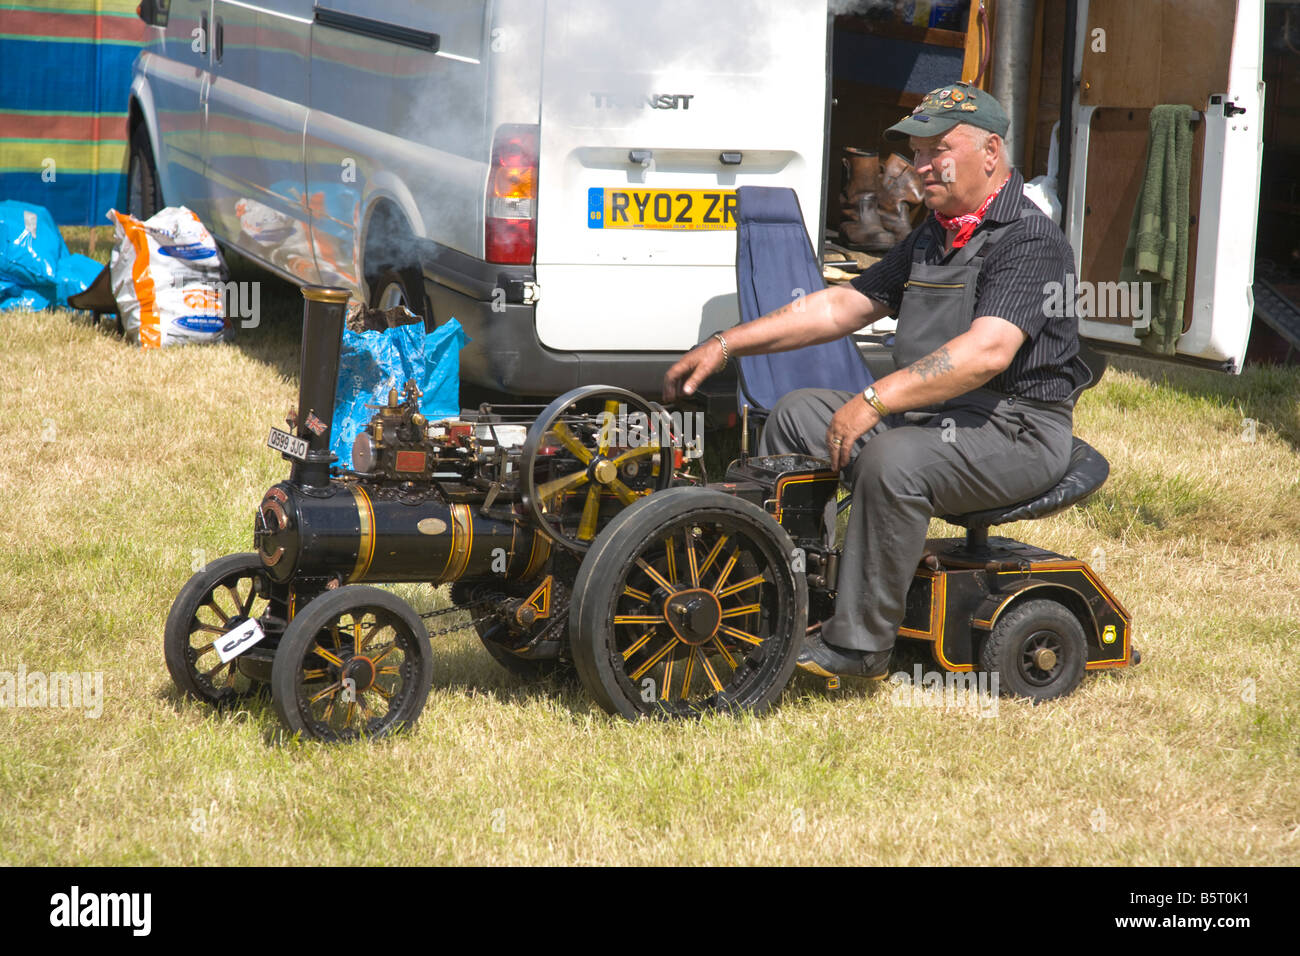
[559, 175]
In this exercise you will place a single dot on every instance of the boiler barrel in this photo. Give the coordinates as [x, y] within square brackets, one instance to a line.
[373, 535]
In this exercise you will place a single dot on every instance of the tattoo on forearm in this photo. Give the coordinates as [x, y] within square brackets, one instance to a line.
[936, 363]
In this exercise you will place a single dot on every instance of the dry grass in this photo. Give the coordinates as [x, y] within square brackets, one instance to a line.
[156, 460]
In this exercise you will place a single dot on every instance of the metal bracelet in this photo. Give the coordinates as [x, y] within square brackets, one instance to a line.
[726, 352]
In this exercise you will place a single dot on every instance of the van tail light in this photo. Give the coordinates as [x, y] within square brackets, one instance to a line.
[511, 210]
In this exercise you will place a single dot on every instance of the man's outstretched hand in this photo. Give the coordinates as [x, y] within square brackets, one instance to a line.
[691, 369]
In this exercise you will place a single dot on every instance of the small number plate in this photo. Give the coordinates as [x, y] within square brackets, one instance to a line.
[283, 441]
[237, 640]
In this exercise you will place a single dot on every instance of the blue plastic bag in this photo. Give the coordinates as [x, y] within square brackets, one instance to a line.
[373, 362]
[36, 268]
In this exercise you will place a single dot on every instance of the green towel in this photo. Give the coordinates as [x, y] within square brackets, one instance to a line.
[1156, 251]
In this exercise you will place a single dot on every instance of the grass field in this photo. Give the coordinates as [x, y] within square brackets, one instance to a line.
[125, 469]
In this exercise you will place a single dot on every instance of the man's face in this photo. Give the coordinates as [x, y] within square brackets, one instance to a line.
[954, 169]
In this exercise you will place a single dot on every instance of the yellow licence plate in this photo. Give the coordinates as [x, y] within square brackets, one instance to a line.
[618, 208]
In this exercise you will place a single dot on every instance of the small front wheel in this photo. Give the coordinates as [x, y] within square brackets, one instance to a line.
[218, 599]
[1037, 650]
[354, 663]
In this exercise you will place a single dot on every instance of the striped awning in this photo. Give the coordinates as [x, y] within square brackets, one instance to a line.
[63, 98]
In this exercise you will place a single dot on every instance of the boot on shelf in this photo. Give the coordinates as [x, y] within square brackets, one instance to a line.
[865, 230]
[878, 204]
[861, 174]
[902, 180]
[896, 221]
[901, 195]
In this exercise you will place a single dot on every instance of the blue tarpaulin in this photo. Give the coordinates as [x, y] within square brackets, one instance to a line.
[373, 362]
[36, 268]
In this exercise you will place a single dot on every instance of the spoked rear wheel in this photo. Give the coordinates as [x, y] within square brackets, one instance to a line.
[686, 604]
[354, 663]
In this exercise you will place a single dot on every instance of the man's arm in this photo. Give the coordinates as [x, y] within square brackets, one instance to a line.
[823, 316]
[955, 368]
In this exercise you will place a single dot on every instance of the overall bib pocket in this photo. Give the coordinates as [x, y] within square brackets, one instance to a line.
[938, 300]
[938, 305]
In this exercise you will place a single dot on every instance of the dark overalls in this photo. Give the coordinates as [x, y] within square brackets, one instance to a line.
[980, 450]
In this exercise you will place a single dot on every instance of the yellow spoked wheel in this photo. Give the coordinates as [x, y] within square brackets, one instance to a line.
[354, 663]
[593, 452]
[217, 600]
[687, 603]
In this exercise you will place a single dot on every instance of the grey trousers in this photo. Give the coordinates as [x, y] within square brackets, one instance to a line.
[980, 450]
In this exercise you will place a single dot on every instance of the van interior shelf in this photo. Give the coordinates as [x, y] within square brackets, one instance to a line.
[895, 30]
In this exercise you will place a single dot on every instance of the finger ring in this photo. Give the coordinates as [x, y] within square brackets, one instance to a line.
[837, 441]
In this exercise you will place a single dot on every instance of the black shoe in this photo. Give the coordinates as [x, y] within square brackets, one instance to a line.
[827, 660]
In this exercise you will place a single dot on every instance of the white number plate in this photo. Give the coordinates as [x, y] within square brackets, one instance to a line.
[237, 640]
[283, 441]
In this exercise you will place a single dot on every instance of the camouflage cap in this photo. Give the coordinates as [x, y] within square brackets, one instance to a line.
[944, 108]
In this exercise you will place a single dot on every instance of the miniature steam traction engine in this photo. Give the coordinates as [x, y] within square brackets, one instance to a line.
[572, 538]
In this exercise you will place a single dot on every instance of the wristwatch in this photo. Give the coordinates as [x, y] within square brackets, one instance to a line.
[871, 398]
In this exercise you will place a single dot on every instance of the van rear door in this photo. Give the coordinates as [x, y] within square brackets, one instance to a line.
[651, 116]
[1122, 74]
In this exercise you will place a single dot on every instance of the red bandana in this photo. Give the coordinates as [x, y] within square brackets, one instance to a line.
[964, 225]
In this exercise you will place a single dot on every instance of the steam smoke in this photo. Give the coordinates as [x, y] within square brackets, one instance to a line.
[443, 112]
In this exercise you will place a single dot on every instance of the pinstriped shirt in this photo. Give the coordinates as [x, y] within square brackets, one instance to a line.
[1014, 283]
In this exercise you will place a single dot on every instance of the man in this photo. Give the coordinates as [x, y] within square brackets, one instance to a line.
[979, 413]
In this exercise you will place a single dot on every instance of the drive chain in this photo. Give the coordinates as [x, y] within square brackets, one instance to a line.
[492, 602]
[559, 617]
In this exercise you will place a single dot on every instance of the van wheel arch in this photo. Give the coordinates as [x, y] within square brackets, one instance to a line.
[141, 163]
[389, 262]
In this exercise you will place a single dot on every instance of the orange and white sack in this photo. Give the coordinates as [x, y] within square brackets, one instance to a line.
[167, 278]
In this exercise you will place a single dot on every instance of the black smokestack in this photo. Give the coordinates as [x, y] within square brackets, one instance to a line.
[323, 311]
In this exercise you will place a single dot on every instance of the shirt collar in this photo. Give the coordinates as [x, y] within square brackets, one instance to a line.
[1006, 205]
[1004, 208]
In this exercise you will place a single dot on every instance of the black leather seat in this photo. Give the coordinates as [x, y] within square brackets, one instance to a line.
[1086, 473]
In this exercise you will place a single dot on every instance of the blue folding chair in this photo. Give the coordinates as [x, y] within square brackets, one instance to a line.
[775, 265]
